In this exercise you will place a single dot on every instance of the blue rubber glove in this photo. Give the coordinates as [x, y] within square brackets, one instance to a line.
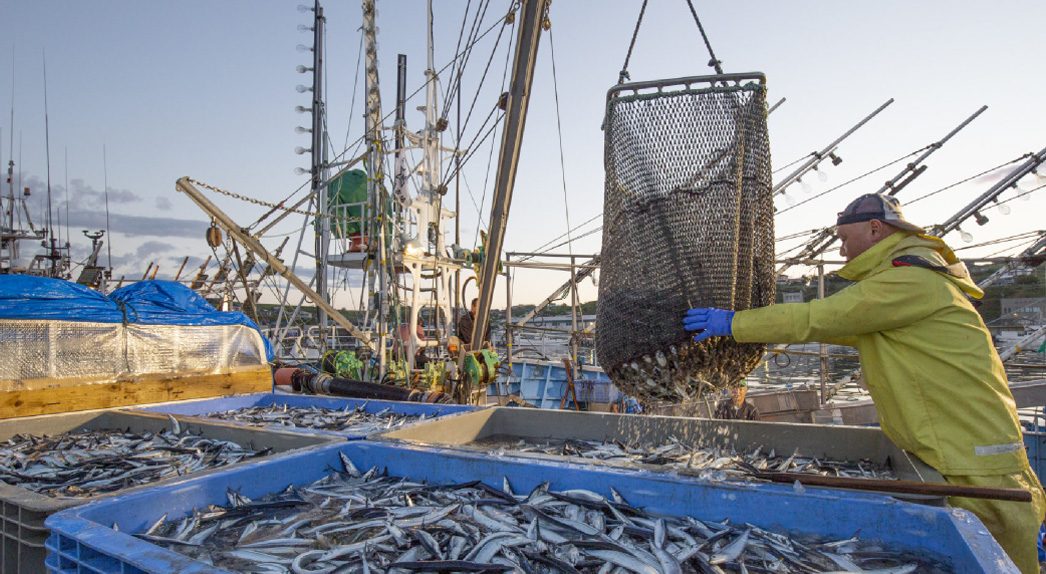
[713, 322]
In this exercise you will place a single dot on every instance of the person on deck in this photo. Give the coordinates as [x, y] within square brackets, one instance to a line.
[736, 407]
[465, 324]
[928, 360]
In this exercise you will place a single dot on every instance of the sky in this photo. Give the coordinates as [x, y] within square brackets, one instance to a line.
[207, 89]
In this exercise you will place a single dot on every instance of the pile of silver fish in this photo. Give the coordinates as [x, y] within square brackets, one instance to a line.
[350, 521]
[92, 462]
[350, 419]
[711, 463]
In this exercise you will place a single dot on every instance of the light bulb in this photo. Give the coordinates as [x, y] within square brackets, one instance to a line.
[301, 150]
[789, 200]
[302, 69]
[302, 109]
[302, 48]
[1004, 209]
[302, 130]
[304, 28]
[822, 176]
[303, 8]
[966, 236]
[806, 187]
[300, 171]
[302, 89]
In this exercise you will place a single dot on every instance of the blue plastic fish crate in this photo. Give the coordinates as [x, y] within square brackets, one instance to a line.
[24, 511]
[84, 540]
[596, 391]
[199, 408]
[1035, 442]
[542, 384]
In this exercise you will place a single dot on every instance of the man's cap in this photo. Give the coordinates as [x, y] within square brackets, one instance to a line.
[743, 383]
[871, 206]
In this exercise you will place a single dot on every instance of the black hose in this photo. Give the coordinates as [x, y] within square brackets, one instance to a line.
[323, 384]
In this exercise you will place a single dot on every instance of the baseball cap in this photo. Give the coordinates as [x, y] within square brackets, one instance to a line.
[871, 206]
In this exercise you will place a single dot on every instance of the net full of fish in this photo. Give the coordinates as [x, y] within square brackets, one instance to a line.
[349, 521]
[688, 222]
[92, 462]
[713, 463]
[349, 419]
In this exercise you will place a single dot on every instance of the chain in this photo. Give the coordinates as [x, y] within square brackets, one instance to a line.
[274, 206]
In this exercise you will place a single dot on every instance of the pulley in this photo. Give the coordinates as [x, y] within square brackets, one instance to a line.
[214, 236]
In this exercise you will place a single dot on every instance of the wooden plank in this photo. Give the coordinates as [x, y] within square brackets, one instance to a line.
[150, 389]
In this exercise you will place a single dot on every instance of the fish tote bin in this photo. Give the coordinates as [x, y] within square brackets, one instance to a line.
[24, 511]
[202, 407]
[467, 431]
[83, 539]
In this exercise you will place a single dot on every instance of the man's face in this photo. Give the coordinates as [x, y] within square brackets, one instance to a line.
[474, 308]
[738, 394]
[857, 237]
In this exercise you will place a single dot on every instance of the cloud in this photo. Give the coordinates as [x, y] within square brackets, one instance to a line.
[86, 210]
[137, 225]
[151, 248]
[164, 203]
[83, 196]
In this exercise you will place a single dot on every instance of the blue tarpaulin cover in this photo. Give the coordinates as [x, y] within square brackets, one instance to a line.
[145, 302]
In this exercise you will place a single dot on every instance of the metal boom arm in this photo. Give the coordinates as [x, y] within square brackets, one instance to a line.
[257, 248]
[533, 11]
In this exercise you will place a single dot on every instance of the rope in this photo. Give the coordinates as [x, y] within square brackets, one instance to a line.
[559, 132]
[971, 178]
[624, 67]
[845, 183]
[1033, 235]
[714, 62]
[561, 236]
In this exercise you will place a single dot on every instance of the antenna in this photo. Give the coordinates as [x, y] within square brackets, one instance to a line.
[105, 175]
[47, 144]
[67, 236]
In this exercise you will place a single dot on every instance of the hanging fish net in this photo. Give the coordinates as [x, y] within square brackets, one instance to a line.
[687, 222]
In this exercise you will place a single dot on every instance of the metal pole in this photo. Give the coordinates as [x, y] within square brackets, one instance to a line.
[824, 347]
[508, 309]
[319, 187]
[508, 323]
[573, 316]
[824, 240]
[818, 156]
[533, 12]
[457, 208]
[1009, 181]
[375, 187]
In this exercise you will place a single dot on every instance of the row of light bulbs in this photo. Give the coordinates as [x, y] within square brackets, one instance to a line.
[301, 89]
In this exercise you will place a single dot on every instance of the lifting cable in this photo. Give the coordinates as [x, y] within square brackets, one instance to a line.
[490, 158]
[623, 75]
[713, 62]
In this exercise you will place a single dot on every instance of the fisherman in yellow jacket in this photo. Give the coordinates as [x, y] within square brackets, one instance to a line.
[928, 360]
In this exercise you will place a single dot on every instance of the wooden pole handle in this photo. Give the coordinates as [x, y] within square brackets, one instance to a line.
[903, 486]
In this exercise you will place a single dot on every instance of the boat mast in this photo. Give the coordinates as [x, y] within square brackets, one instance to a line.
[318, 172]
[534, 18]
[375, 189]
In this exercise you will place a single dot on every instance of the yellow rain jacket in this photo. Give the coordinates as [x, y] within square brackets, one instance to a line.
[928, 360]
